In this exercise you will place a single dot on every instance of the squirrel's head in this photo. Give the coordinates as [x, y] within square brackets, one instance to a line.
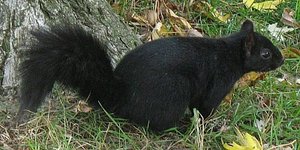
[260, 54]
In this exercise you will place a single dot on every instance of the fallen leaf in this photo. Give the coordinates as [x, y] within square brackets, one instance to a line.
[171, 5]
[82, 106]
[278, 32]
[260, 125]
[179, 24]
[266, 146]
[249, 79]
[7, 147]
[137, 18]
[220, 16]
[288, 18]
[290, 79]
[177, 19]
[224, 128]
[297, 81]
[263, 6]
[291, 52]
[116, 7]
[283, 78]
[265, 103]
[246, 142]
[155, 32]
[151, 16]
[228, 97]
[248, 3]
[288, 146]
[194, 33]
[215, 13]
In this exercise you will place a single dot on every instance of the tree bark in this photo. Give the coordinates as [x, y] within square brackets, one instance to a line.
[18, 17]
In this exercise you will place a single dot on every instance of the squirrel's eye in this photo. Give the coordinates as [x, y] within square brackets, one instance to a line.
[265, 53]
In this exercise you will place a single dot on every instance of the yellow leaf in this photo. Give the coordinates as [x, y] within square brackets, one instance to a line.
[176, 19]
[263, 6]
[252, 142]
[249, 79]
[233, 146]
[248, 3]
[246, 142]
[220, 17]
[217, 14]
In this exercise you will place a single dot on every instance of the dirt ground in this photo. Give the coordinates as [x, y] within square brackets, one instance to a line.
[8, 105]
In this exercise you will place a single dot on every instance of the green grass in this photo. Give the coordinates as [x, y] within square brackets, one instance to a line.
[297, 10]
[61, 128]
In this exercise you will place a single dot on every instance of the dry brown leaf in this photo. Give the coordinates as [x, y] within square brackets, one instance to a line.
[155, 32]
[137, 18]
[82, 106]
[250, 79]
[116, 7]
[228, 97]
[265, 103]
[158, 31]
[288, 18]
[177, 20]
[291, 52]
[7, 147]
[288, 146]
[194, 33]
[178, 30]
[200, 7]
[224, 127]
[170, 5]
[151, 16]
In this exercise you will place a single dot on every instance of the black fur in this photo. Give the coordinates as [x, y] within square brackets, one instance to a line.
[154, 83]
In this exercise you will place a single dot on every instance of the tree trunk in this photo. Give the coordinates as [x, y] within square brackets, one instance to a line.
[18, 17]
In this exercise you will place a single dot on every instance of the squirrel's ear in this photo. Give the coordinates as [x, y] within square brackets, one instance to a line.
[249, 40]
[247, 26]
[249, 43]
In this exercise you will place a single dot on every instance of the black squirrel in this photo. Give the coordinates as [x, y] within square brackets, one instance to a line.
[154, 83]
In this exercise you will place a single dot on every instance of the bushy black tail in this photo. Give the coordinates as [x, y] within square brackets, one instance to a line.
[71, 56]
